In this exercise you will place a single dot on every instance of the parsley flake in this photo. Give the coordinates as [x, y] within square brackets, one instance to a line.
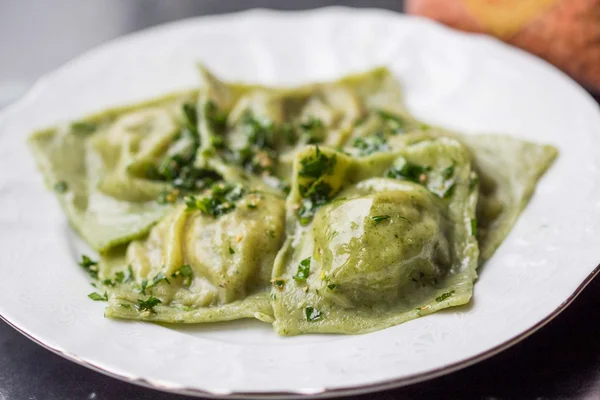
[221, 200]
[377, 219]
[149, 304]
[303, 270]
[89, 265]
[404, 170]
[60, 187]
[394, 123]
[186, 272]
[312, 314]
[371, 144]
[97, 297]
[444, 296]
[278, 283]
[317, 165]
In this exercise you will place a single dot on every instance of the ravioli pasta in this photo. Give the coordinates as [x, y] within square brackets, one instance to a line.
[322, 208]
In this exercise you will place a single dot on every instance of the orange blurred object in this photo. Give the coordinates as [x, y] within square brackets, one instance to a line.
[564, 32]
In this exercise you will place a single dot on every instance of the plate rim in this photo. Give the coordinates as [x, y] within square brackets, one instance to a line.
[323, 392]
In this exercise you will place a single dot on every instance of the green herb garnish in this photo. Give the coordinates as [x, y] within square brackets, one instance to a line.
[370, 144]
[60, 187]
[380, 218]
[215, 117]
[90, 266]
[143, 286]
[190, 116]
[312, 314]
[186, 272]
[444, 296]
[303, 270]
[449, 191]
[278, 283]
[315, 196]
[473, 227]
[258, 154]
[448, 172]
[332, 286]
[313, 130]
[220, 201]
[149, 304]
[473, 182]
[402, 169]
[129, 277]
[317, 165]
[177, 168]
[393, 122]
[119, 277]
[158, 278]
[231, 251]
[98, 297]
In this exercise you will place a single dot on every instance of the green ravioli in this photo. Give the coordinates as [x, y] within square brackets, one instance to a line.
[321, 208]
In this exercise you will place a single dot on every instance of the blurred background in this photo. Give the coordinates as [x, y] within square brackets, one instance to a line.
[36, 36]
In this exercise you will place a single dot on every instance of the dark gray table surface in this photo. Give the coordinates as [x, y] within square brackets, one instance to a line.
[562, 360]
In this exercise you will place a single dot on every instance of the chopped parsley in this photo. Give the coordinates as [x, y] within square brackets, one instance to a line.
[278, 283]
[402, 169]
[190, 116]
[60, 187]
[215, 117]
[473, 227]
[332, 286]
[312, 314]
[143, 286]
[186, 272]
[303, 270]
[448, 190]
[90, 266]
[318, 192]
[129, 277]
[393, 122]
[448, 172]
[219, 201]
[444, 296]
[377, 219]
[287, 131]
[119, 277]
[149, 304]
[231, 251]
[312, 129]
[473, 182]
[98, 297]
[314, 197]
[371, 144]
[177, 167]
[258, 154]
[317, 165]
[158, 278]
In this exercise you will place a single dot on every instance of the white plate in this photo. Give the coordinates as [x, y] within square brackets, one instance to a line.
[465, 82]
